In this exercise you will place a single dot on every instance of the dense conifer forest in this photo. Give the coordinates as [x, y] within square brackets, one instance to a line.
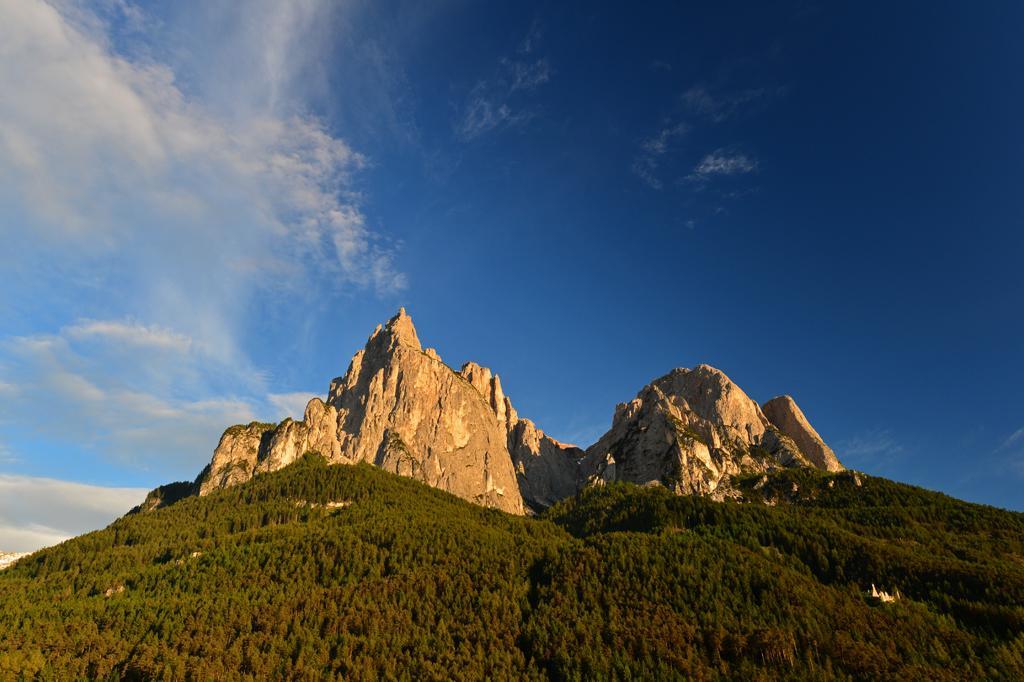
[347, 571]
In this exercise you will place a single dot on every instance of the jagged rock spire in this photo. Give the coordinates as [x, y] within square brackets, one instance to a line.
[397, 407]
[398, 332]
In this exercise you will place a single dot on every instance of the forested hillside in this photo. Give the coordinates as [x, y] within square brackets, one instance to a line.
[349, 571]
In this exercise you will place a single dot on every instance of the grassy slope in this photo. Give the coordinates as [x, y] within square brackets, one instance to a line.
[406, 581]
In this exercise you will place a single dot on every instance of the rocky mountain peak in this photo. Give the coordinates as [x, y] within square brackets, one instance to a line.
[398, 332]
[690, 430]
[489, 386]
[711, 395]
[398, 407]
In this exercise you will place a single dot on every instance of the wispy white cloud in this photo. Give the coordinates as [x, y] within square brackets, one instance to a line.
[130, 333]
[877, 444]
[142, 177]
[1011, 452]
[698, 104]
[498, 101]
[658, 144]
[26, 536]
[653, 148]
[148, 398]
[720, 106]
[38, 512]
[1015, 438]
[531, 41]
[723, 162]
[526, 76]
[485, 112]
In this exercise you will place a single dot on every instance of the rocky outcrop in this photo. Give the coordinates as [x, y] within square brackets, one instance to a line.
[789, 419]
[398, 407]
[690, 430]
[317, 432]
[165, 495]
[235, 458]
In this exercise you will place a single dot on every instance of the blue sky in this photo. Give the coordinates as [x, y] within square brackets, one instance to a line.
[206, 208]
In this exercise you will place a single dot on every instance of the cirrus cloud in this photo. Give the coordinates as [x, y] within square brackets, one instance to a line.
[724, 162]
[129, 333]
[136, 180]
[154, 405]
[497, 102]
[645, 165]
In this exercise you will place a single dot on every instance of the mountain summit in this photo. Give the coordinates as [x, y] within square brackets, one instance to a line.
[691, 430]
[401, 408]
[398, 407]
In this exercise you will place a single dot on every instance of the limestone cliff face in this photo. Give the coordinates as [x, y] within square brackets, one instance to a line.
[398, 407]
[234, 461]
[789, 419]
[546, 470]
[690, 431]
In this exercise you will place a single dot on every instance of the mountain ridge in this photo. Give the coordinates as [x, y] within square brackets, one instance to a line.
[399, 406]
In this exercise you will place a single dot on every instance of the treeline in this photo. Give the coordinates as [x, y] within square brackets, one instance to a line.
[346, 571]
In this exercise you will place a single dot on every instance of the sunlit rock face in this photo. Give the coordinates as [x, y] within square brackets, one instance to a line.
[690, 430]
[546, 469]
[789, 419]
[235, 459]
[400, 407]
